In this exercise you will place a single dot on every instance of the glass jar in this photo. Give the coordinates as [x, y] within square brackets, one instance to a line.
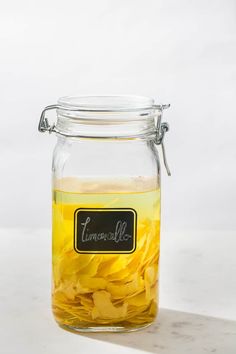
[106, 211]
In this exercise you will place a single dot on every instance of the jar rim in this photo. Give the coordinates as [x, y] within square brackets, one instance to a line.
[106, 103]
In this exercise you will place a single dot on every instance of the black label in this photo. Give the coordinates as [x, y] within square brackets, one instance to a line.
[105, 230]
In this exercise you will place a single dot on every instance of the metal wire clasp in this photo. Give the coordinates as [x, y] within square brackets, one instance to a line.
[44, 126]
[161, 129]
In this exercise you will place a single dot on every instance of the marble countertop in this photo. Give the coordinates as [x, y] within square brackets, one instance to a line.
[197, 299]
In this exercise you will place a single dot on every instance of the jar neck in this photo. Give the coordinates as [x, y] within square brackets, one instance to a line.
[123, 125]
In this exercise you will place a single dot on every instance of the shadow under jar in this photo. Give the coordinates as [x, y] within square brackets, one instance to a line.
[106, 212]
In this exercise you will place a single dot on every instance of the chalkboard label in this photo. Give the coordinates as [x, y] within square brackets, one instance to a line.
[105, 230]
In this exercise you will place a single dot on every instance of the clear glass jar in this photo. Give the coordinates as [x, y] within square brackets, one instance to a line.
[106, 212]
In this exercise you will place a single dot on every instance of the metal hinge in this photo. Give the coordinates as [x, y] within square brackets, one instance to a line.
[161, 129]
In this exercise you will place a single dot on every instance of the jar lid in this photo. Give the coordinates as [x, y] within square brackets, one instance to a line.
[111, 103]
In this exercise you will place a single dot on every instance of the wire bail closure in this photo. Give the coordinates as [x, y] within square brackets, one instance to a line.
[161, 127]
[44, 125]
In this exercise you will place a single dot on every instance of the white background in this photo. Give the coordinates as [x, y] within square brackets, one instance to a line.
[182, 52]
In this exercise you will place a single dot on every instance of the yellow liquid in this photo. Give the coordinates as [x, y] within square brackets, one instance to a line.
[106, 291]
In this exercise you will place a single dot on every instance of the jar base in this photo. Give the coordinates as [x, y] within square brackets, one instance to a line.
[100, 329]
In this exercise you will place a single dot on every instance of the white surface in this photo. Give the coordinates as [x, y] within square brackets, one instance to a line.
[181, 52]
[193, 279]
[198, 272]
